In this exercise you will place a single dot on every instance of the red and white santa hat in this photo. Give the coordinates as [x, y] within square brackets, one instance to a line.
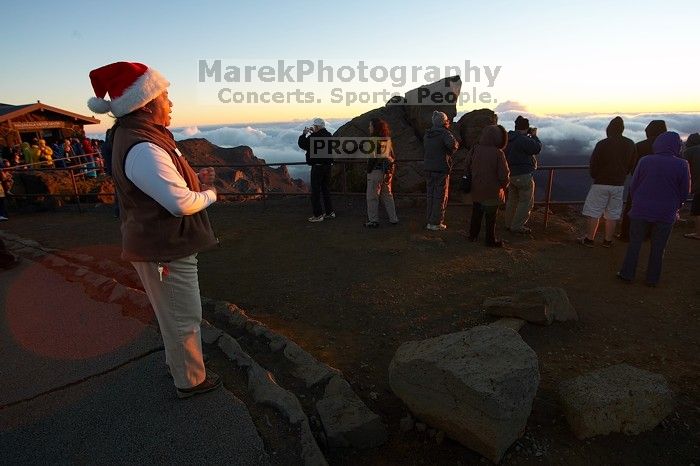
[130, 86]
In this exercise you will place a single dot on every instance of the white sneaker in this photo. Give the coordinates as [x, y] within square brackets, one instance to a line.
[316, 219]
[432, 227]
[331, 215]
[3, 219]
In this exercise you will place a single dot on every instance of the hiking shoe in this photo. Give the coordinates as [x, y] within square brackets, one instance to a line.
[607, 244]
[432, 227]
[331, 215]
[589, 243]
[313, 219]
[211, 382]
[372, 224]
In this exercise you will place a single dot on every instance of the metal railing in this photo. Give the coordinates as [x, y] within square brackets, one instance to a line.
[75, 171]
[78, 170]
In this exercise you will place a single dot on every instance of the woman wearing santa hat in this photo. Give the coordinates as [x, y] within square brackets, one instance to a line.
[162, 200]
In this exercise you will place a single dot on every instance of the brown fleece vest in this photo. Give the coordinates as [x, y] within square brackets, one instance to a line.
[149, 232]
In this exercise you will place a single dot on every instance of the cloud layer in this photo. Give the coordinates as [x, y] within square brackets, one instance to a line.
[567, 139]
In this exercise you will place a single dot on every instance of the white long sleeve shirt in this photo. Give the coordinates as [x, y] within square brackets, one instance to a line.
[151, 169]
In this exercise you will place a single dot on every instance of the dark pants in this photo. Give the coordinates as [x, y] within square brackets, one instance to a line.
[639, 229]
[3, 209]
[320, 180]
[625, 224]
[478, 212]
[437, 191]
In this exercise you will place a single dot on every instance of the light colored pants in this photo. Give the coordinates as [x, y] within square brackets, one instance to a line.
[437, 194]
[178, 308]
[521, 198]
[379, 185]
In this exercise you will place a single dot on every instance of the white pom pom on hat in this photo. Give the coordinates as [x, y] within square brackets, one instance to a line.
[129, 85]
[98, 105]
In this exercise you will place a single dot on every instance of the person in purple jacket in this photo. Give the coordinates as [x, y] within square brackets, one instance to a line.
[660, 185]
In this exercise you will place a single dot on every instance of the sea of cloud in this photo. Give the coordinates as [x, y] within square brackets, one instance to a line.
[567, 139]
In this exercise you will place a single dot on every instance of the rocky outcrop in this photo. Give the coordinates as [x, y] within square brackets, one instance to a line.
[542, 305]
[477, 386]
[619, 398]
[409, 117]
[246, 180]
[471, 124]
[420, 103]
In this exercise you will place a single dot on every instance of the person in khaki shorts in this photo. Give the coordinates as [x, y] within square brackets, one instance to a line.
[523, 147]
[610, 162]
[380, 171]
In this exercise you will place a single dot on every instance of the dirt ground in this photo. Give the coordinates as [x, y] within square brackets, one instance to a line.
[351, 296]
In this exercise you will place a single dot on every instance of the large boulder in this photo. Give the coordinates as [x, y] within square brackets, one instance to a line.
[619, 398]
[420, 103]
[542, 305]
[477, 386]
[408, 119]
[471, 124]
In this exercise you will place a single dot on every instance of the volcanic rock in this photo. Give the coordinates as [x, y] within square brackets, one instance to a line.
[477, 386]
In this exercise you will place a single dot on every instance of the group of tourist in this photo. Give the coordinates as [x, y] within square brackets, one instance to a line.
[163, 200]
[65, 153]
[505, 161]
[499, 161]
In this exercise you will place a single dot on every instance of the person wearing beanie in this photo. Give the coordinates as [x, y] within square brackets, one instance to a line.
[439, 146]
[521, 154]
[320, 171]
[653, 129]
[610, 162]
[692, 155]
[162, 202]
[659, 187]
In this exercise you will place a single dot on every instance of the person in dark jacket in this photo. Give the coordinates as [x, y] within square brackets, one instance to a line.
[439, 145]
[659, 187]
[523, 147]
[692, 155]
[490, 177]
[653, 129]
[320, 171]
[611, 160]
